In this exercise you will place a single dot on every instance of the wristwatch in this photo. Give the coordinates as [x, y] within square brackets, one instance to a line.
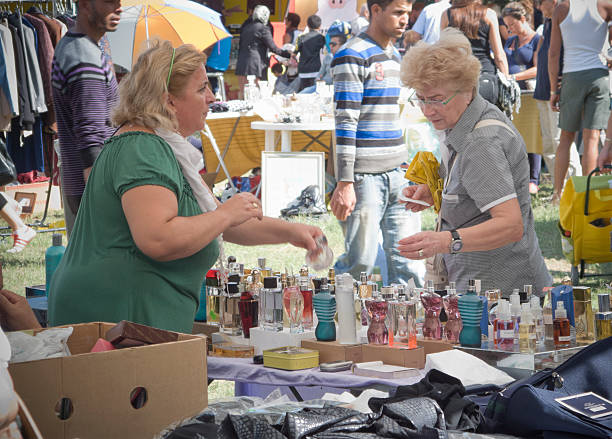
[456, 243]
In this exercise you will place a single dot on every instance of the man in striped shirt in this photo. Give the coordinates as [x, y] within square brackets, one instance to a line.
[370, 146]
[84, 92]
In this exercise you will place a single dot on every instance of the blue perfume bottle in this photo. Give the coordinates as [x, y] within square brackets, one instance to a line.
[325, 307]
[470, 309]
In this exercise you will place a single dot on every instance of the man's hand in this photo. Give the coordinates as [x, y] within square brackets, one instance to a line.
[343, 200]
[554, 102]
[15, 312]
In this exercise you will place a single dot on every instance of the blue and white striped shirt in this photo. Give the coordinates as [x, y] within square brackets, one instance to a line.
[366, 91]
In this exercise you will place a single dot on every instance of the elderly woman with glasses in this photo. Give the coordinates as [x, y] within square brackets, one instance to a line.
[485, 226]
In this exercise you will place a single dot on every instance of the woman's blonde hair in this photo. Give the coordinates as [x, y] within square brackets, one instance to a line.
[446, 62]
[142, 93]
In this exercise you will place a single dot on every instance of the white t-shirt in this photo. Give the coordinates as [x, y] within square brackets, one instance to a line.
[428, 23]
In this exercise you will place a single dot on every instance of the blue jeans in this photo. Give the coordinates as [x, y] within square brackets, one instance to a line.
[378, 209]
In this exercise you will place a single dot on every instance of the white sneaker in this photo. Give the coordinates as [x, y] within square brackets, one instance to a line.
[22, 237]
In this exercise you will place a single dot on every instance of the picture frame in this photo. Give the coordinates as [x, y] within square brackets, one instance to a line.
[27, 201]
[284, 175]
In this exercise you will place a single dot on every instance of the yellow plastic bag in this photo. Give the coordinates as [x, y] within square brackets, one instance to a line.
[586, 234]
[424, 170]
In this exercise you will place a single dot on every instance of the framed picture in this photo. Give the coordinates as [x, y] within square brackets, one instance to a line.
[284, 175]
[26, 200]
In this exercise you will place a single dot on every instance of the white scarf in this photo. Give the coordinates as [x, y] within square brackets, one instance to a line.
[189, 158]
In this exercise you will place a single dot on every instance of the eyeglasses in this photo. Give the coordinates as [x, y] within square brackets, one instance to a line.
[414, 100]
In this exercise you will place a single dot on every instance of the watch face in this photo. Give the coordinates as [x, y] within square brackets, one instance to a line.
[457, 245]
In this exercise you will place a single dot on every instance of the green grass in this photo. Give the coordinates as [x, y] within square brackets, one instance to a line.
[27, 268]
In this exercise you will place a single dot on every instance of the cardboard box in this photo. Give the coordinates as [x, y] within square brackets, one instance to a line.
[100, 386]
[434, 346]
[205, 328]
[397, 356]
[333, 351]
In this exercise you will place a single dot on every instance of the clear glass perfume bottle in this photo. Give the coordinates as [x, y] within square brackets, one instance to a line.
[547, 317]
[504, 326]
[527, 330]
[470, 308]
[454, 324]
[377, 331]
[561, 326]
[403, 323]
[230, 315]
[432, 303]
[325, 307]
[271, 302]
[603, 318]
[213, 306]
[538, 319]
[293, 302]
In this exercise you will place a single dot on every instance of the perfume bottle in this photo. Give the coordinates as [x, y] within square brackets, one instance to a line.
[561, 326]
[527, 330]
[432, 303]
[322, 257]
[265, 271]
[584, 318]
[376, 277]
[377, 330]
[325, 307]
[365, 287]
[306, 290]
[271, 302]
[504, 326]
[230, 320]
[547, 317]
[453, 325]
[603, 319]
[538, 319]
[293, 302]
[331, 279]
[470, 309]
[210, 280]
[515, 312]
[403, 323]
[526, 294]
[347, 328]
[249, 310]
[213, 305]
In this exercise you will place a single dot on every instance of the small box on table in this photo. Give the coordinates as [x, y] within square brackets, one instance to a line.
[333, 351]
[435, 346]
[94, 391]
[262, 339]
[397, 356]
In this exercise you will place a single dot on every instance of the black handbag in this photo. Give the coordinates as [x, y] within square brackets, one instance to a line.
[8, 172]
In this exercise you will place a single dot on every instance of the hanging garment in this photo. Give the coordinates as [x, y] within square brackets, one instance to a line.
[36, 84]
[27, 156]
[10, 86]
[45, 58]
[26, 116]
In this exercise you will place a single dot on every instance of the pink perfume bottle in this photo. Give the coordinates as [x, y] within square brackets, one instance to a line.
[454, 324]
[432, 302]
[377, 331]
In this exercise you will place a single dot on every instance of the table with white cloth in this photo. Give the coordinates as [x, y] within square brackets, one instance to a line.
[244, 371]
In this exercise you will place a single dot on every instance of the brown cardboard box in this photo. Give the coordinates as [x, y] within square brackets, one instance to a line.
[394, 355]
[434, 346]
[333, 351]
[99, 386]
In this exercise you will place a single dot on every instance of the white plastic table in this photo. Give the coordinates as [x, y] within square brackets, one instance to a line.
[285, 129]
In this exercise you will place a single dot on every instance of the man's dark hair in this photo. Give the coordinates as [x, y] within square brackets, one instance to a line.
[383, 4]
[294, 19]
[314, 22]
[341, 37]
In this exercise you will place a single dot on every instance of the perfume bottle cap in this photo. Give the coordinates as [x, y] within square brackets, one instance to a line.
[270, 282]
[232, 288]
[261, 263]
[388, 293]
[363, 277]
[603, 301]
[452, 285]
[430, 284]
[535, 304]
[231, 259]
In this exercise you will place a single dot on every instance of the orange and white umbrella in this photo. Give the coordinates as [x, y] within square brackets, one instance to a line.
[178, 21]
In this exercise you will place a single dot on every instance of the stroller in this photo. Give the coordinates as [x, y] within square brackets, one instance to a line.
[585, 221]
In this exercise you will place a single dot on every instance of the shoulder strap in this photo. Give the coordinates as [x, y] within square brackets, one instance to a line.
[492, 122]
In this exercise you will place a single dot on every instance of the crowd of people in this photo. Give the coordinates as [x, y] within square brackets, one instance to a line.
[145, 215]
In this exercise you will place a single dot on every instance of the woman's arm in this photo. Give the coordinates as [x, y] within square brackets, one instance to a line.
[504, 227]
[158, 231]
[531, 72]
[495, 41]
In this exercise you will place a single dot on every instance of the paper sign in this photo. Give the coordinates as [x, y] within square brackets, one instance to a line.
[588, 404]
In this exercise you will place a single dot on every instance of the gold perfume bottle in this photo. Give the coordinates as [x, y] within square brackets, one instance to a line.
[583, 315]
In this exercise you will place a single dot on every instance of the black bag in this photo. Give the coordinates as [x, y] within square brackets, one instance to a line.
[8, 172]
